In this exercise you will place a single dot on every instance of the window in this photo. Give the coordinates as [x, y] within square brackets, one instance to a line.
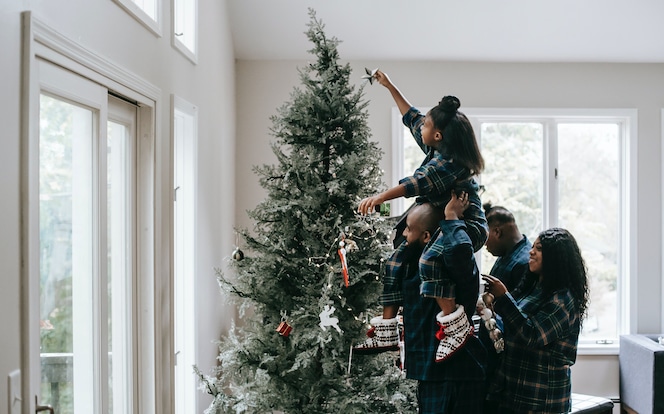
[562, 168]
[86, 244]
[184, 138]
[185, 28]
[145, 11]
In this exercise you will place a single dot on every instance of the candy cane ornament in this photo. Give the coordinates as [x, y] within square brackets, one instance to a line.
[344, 262]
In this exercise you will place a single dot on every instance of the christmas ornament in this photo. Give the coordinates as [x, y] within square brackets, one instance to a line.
[370, 75]
[237, 254]
[326, 318]
[284, 328]
[485, 311]
[344, 262]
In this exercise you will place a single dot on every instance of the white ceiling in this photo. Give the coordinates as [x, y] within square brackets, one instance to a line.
[455, 30]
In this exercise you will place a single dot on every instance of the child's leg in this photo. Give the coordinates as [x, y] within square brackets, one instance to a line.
[455, 328]
[476, 225]
[384, 333]
[447, 305]
[390, 311]
[383, 336]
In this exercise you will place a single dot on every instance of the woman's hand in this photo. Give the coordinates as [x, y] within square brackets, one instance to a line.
[494, 286]
[368, 204]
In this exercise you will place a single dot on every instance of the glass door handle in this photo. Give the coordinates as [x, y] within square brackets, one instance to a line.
[39, 408]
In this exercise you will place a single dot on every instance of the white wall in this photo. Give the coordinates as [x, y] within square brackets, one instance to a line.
[102, 27]
[263, 86]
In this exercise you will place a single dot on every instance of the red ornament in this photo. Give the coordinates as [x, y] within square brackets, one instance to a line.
[284, 329]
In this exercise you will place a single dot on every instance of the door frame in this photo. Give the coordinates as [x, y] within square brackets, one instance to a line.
[154, 357]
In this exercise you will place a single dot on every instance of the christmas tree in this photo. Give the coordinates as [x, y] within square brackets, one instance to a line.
[311, 276]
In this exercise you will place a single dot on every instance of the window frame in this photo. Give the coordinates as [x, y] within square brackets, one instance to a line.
[185, 323]
[178, 44]
[549, 117]
[133, 9]
[153, 368]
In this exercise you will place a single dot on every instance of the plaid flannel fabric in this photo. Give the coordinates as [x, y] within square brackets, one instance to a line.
[541, 337]
[511, 267]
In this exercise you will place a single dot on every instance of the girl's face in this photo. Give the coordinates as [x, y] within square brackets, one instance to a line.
[431, 137]
[535, 261]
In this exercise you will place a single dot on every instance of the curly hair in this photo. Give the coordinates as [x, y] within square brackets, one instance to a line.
[459, 141]
[563, 266]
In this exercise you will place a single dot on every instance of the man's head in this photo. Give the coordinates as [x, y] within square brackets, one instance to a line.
[503, 231]
[421, 224]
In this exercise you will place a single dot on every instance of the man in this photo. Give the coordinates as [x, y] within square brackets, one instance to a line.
[456, 385]
[512, 248]
[506, 242]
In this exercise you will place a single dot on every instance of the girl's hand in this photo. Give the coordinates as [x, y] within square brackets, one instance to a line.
[367, 205]
[456, 206]
[494, 286]
[382, 78]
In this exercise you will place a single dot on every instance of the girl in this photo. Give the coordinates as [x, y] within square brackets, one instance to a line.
[452, 159]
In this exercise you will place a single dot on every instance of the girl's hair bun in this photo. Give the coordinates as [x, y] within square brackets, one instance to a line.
[449, 104]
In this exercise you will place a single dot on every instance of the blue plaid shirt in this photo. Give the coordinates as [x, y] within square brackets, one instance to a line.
[419, 313]
[511, 267]
[541, 337]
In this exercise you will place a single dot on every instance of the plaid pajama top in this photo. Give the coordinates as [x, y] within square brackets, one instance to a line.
[511, 267]
[541, 337]
[438, 175]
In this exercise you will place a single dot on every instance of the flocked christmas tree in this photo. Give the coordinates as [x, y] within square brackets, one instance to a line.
[301, 308]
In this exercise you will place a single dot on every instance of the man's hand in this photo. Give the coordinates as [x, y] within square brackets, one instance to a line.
[456, 206]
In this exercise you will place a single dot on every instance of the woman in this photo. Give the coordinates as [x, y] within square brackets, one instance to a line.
[542, 321]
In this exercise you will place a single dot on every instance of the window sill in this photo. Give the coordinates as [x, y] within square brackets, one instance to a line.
[598, 349]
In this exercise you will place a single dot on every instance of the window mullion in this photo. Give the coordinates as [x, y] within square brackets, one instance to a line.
[551, 187]
[100, 282]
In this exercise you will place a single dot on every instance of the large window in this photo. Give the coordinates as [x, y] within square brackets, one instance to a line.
[561, 168]
[184, 167]
[85, 245]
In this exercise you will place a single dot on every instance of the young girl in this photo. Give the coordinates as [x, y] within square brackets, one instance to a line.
[452, 159]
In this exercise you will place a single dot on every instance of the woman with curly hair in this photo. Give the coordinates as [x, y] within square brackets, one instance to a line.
[542, 321]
